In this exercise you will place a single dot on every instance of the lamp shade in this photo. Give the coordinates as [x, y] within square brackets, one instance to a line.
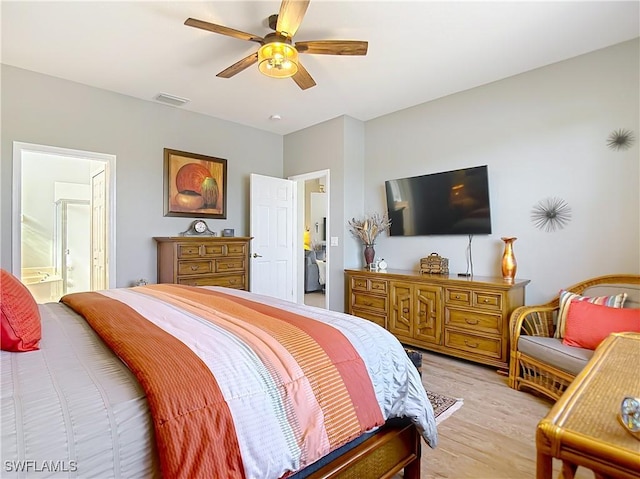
[278, 60]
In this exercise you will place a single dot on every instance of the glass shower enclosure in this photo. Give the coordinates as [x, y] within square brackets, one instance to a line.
[72, 245]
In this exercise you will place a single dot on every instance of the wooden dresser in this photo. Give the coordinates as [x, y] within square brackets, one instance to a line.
[200, 261]
[462, 317]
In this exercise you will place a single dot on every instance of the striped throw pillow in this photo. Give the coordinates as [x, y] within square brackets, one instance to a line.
[616, 301]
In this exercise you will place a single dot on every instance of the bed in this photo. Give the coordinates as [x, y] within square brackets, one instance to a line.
[180, 381]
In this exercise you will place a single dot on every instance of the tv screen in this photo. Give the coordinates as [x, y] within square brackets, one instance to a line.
[447, 203]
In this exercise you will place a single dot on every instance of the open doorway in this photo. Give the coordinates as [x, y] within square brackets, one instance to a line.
[63, 220]
[313, 220]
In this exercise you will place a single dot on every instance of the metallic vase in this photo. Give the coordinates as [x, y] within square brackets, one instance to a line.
[509, 265]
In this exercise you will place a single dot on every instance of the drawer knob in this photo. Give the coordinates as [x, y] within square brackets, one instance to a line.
[232, 281]
[194, 268]
[457, 296]
[470, 344]
[485, 300]
[405, 310]
[367, 303]
[471, 321]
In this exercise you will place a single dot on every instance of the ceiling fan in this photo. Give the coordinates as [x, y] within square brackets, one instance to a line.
[278, 56]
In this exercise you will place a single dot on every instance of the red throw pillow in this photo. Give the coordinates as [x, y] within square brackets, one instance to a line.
[589, 324]
[20, 329]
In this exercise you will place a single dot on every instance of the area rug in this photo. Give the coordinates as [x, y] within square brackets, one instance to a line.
[443, 406]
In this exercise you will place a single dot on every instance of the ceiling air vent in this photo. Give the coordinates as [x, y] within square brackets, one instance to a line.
[171, 99]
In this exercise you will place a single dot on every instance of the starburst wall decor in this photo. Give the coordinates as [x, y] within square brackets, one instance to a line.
[620, 139]
[551, 214]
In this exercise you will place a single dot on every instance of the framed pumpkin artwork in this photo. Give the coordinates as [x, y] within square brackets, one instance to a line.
[195, 185]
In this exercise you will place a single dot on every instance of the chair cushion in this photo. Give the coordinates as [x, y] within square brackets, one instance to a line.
[20, 318]
[566, 297]
[551, 351]
[589, 324]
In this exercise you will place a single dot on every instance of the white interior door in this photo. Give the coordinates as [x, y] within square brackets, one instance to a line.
[272, 229]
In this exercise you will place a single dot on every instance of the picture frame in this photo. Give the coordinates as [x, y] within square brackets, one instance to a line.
[195, 185]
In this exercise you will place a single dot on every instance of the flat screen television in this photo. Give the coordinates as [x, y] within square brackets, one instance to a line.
[448, 203]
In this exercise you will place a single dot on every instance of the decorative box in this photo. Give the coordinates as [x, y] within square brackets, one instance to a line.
[434, 264]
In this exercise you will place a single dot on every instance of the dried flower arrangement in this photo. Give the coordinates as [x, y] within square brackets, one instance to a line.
[368, 228]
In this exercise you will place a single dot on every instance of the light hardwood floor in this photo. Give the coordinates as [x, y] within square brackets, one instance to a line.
[493, 435]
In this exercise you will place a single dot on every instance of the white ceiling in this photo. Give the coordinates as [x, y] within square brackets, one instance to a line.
[418, 50]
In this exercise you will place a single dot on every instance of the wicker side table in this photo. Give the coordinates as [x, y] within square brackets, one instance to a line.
[582, 427]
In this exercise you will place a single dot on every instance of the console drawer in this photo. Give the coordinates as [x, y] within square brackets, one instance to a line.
[379, 319]
[473, 321]
[487, 300]
[369, 302]
[359, 283]
[378, 286]
[470, 343]
[460, 297]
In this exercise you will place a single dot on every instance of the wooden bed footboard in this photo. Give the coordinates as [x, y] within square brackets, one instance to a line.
[383, 455]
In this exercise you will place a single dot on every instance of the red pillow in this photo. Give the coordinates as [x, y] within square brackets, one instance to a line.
[20, 329]
[589, 324]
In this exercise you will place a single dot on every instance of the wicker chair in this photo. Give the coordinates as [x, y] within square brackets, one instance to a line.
[548, 379]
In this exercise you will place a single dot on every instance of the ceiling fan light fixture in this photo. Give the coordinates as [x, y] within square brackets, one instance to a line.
[278, 60]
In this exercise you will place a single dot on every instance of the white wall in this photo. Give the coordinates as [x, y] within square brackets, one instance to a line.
[542, 134]
[38, 203]
[49, 111]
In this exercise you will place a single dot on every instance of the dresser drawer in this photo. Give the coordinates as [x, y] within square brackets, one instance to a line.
[236, 249]
[470, 343]
[228, 281]
[369, 301]
[473, 320]
[194, 267]
[487, 300]
[189, 250]
[379, 319]
[213, 250]
[460, 297]
[230, 264]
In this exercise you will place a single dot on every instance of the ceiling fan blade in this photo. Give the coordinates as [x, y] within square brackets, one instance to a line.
[237, 67]
[290, 16]
[302, 78]
[230, 32]
[333, 47]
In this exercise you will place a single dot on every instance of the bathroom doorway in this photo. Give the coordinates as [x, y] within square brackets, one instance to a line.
[56, 232]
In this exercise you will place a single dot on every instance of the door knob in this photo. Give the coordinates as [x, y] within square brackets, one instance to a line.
[256, 255]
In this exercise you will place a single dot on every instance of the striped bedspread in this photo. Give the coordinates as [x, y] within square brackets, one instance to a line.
[249, 385]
